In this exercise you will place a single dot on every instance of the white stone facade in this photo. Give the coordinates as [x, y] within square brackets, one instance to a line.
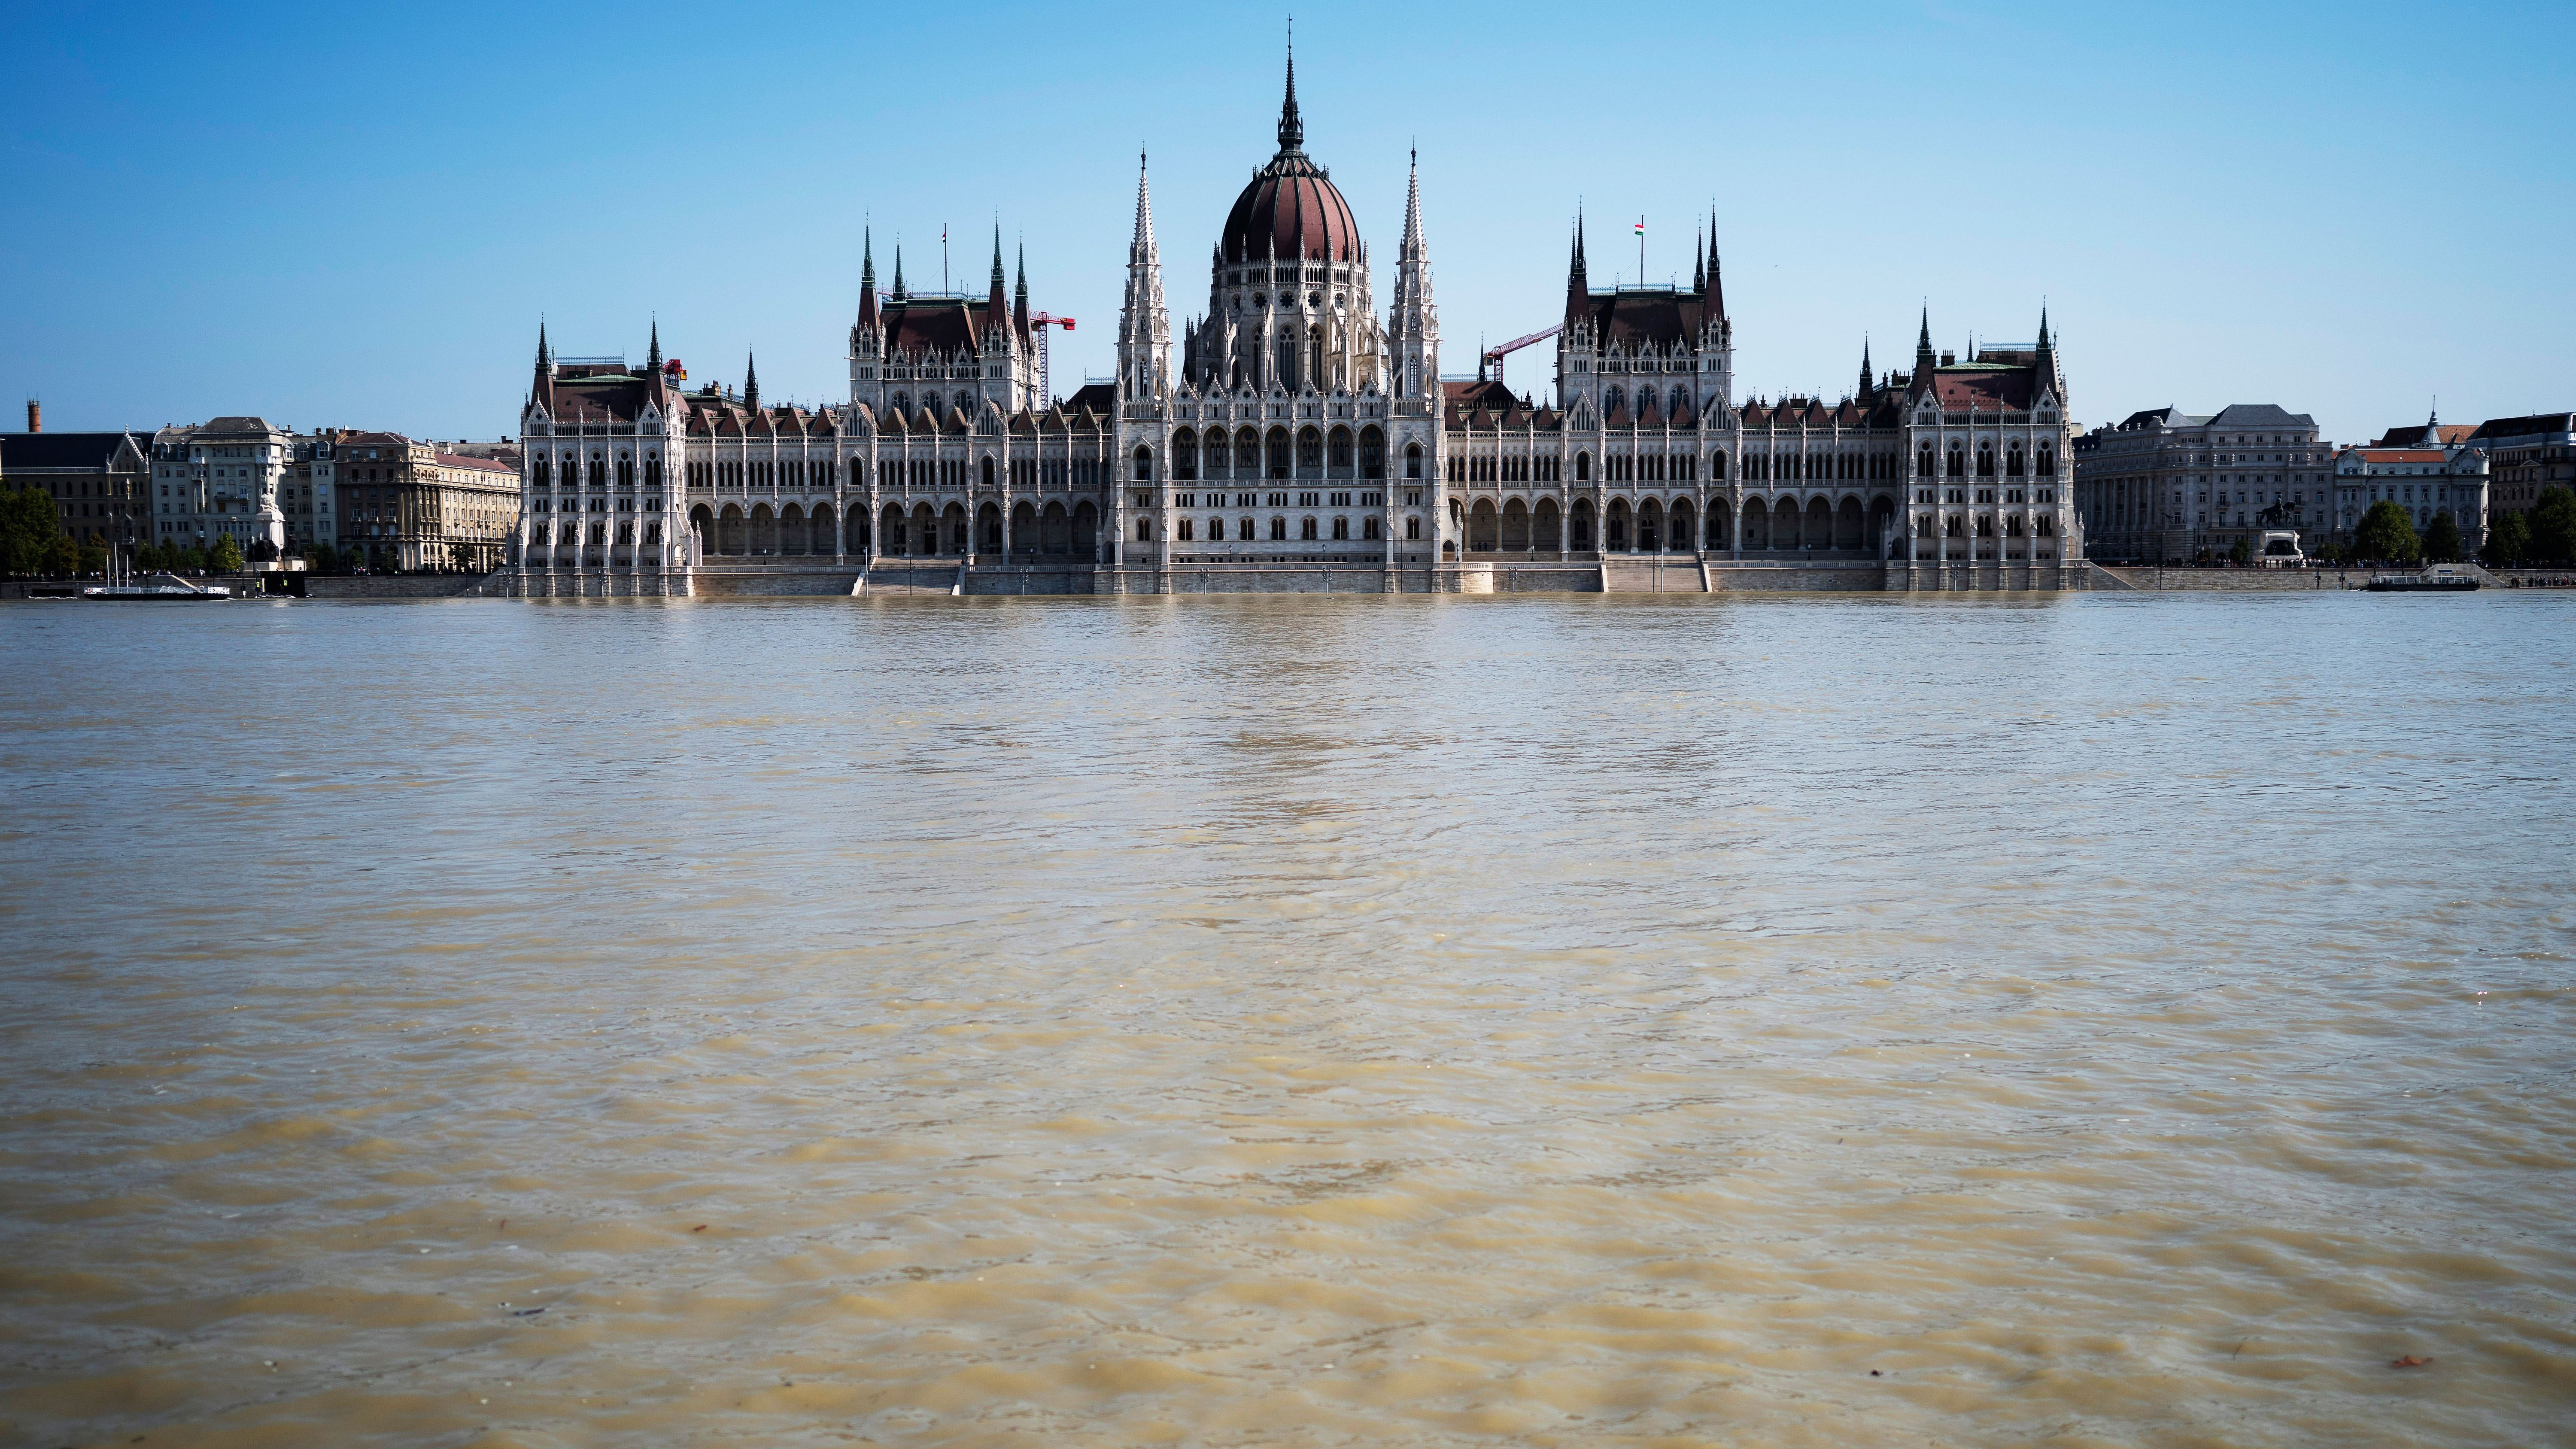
[1292, 425]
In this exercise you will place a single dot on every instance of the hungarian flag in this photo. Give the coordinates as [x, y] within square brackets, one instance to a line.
[1641, 226]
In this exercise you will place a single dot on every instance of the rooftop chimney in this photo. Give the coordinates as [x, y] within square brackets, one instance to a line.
[35, 416]
[1949, 359]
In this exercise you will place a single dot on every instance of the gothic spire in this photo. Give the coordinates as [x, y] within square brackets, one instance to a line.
[1865, 379]
[1412, 249]
[653, 354]
[2043, 327]
[1020, 292]
[1699, 267]
[899, 293]
[1716, 282]
[750, 383]
[867, 279]
[1140, 248]
[1578, 286]
[1292, 130]
[545, 358]
[995, 299]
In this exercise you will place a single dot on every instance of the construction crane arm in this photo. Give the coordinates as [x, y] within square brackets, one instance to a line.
[1493, 356]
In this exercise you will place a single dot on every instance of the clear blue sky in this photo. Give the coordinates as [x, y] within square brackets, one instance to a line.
[354, 215]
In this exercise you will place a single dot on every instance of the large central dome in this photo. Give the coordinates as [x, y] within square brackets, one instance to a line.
[1291, 209]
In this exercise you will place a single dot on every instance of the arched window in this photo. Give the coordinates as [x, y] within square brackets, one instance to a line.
[2012, 462]
[988, 482]
[625, 470]
[1413, 463]
[1310, 449]
[1717, 467]
[1923, 462]
[1985, 460]
[1413, 527]
[1186, 525]
[1958, 461]
[1681, 400]
[1372, 453]
[1144, 464]
[544, 476]
[1144, 530]
[1306, 528]
[1613, 400]
[1340, 457]
[1185, 456]
[1368, 527]
[1341, 528]
[1583, 467]
[1218, 461]
[2047, 461]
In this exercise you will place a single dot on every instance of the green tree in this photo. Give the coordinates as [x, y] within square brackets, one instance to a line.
[93, 558]
[62, 557]
[2508, 540]
[29, 524]
[2553, 526]
[2442, 540]
[322, 558]
[2241, 554]
[190, 560]
[2386, 535]
[226, 556]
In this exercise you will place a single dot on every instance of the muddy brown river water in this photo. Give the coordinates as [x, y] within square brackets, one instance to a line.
[1290, 1021]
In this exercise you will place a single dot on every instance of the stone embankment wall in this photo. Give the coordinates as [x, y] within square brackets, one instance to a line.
[396, 586]
[2155, 580]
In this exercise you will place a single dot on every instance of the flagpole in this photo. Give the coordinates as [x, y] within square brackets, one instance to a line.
[1641, 251]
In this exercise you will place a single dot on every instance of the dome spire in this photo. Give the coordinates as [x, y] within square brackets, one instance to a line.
[1292, 131]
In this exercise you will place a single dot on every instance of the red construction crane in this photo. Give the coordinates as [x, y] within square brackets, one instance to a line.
[1043, 319]
[1494, 356]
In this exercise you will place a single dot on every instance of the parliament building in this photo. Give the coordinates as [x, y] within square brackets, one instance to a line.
[1292, 437]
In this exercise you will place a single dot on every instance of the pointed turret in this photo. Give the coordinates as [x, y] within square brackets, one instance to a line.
[1578, 286]
[1144, 327]
[1020, 293]
[542, 394]
[867, 282]
[996, 301]
[750, 383]
[1416, 320]
[899, 293]
[1716, 277]
[1924, 361]
[1866, 383]
[1699, 267]
[653, 352]
[2051, 379]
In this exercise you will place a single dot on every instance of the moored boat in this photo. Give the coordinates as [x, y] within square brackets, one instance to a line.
[2439, 579]
[157, 589]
